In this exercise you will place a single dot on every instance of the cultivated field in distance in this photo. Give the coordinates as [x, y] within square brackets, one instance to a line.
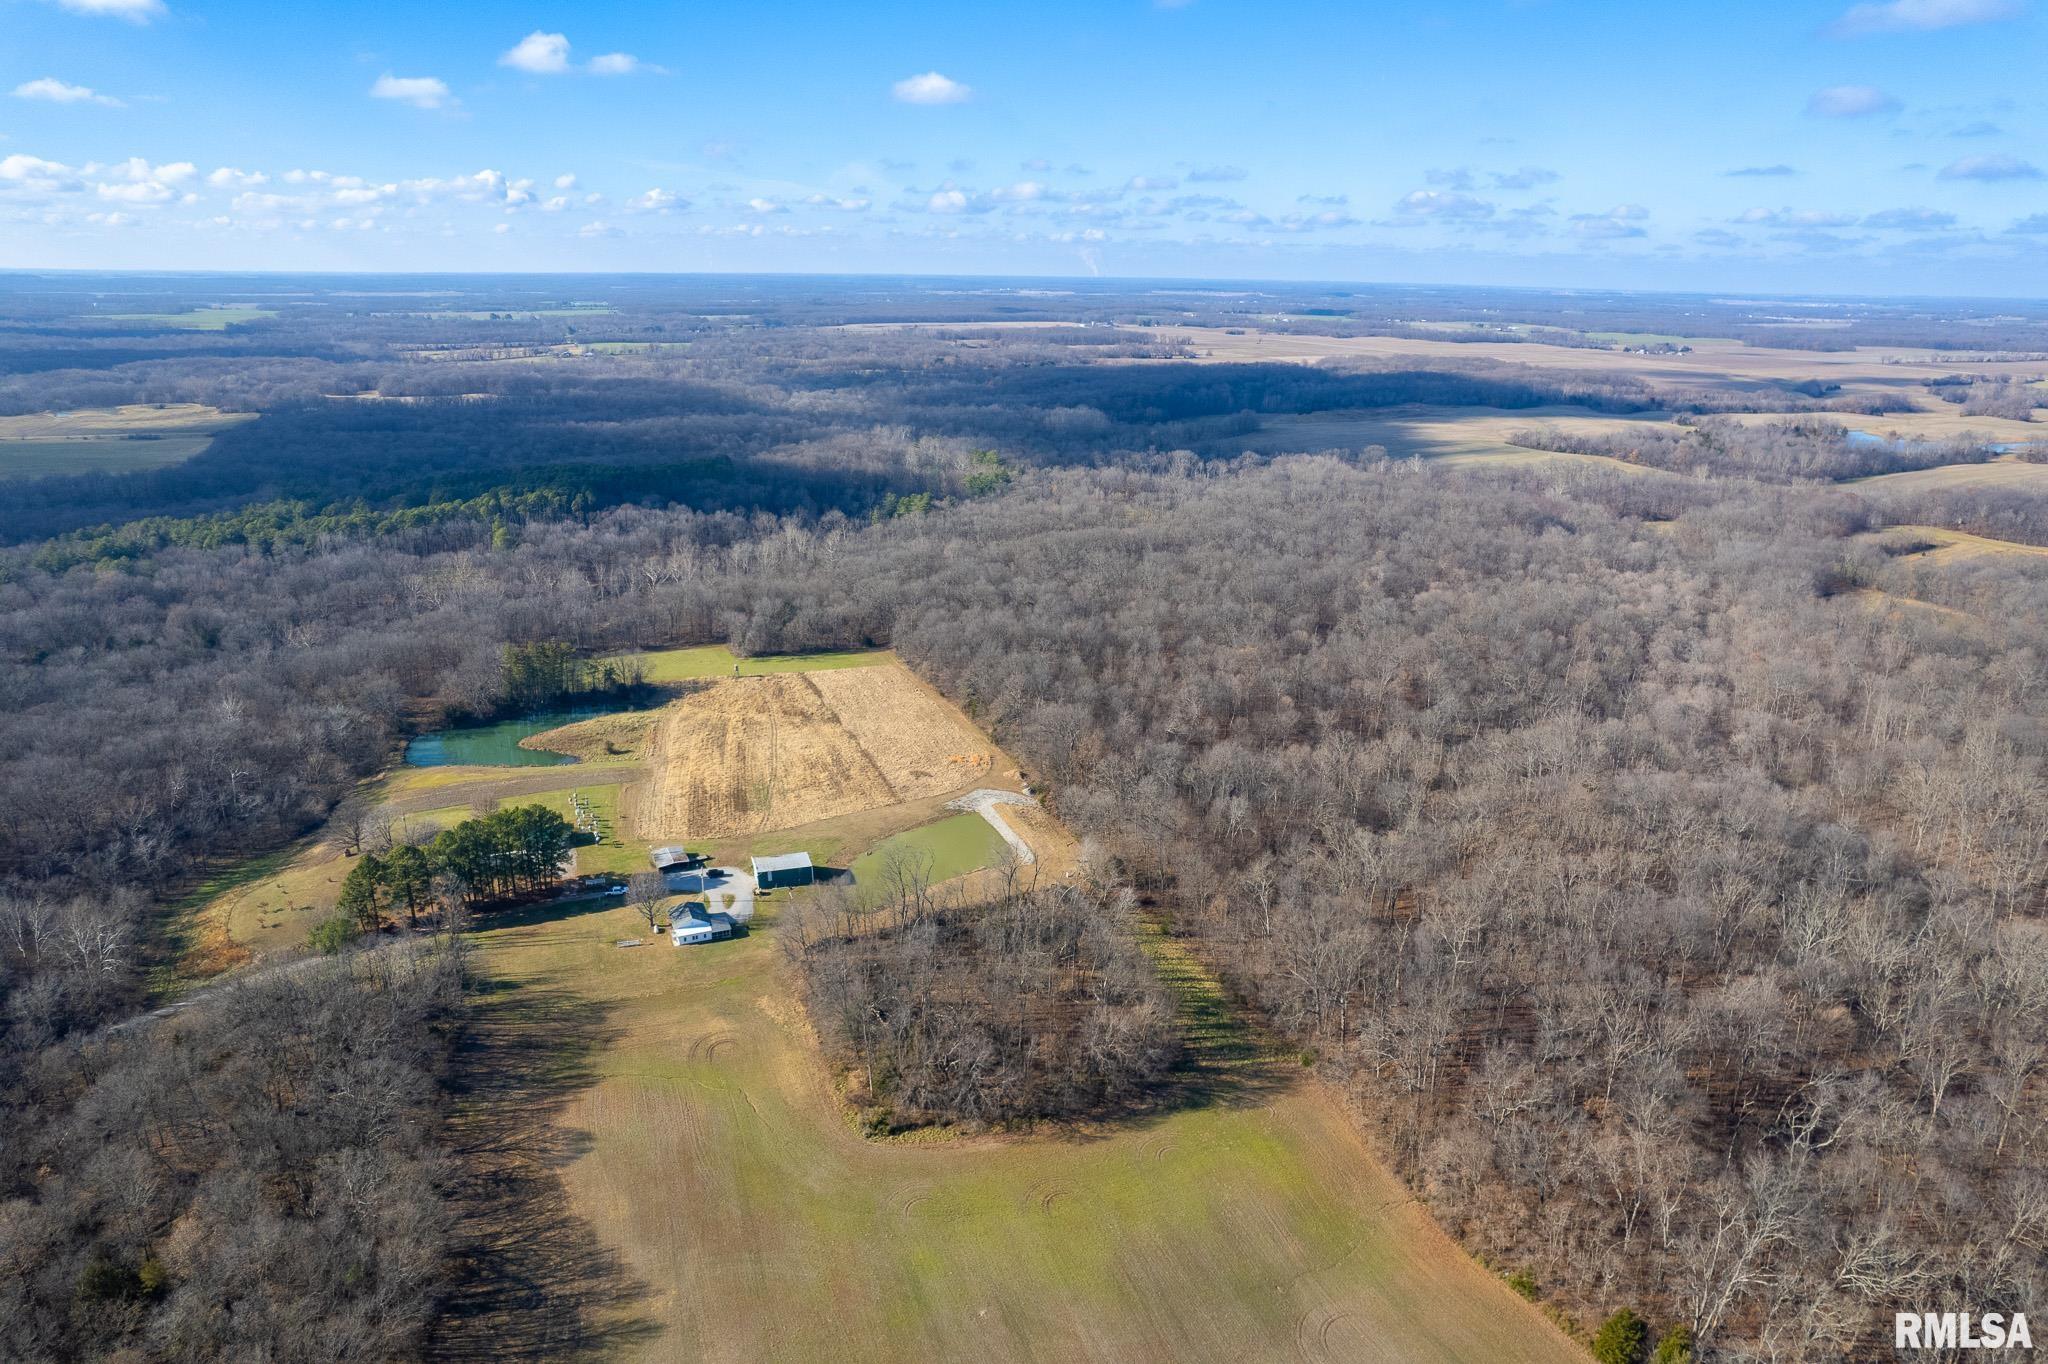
[108, 439]
[1462, 434]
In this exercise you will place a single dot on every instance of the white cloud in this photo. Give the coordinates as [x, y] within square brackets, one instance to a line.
[1920, 16]
[134, 11]
[137, 182]
[1315, 222]
[1990, 168]
[542, 54]
[1851, 101]
[656, 200]
[841, 205]
[58, 92]
[1138, 184]
[228, 177]
[1447, 204]
[136, 170]
[422, 92]
[1790, 217]
[930, 88]
[947, 201]
[1911, 219]
[145, 192]
[565, 182]
[1621, 221]
[598, 228]
[758, 205]
[33, 176]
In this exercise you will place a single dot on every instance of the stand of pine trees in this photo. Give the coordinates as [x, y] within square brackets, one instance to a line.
[511, 852]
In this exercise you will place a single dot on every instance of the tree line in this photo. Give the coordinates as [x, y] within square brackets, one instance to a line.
[1037, 1004]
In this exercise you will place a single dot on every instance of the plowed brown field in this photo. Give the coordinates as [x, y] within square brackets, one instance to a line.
[753, 754]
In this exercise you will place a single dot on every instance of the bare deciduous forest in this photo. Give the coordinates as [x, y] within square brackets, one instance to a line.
[1656, 863]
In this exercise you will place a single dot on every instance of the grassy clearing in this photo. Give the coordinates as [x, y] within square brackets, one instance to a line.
[1648, 338]
[599, 741]
[825, 849]
[95, 455]
[1954, 546]
[262, 908]
[486, 314]
[426, 823]
[751, 1221]
[935, 852]
[108, 439]
[1998, 473]
[613, 852]
[1942, 422]
[1454, 436]
[197, 320]
[715, 660]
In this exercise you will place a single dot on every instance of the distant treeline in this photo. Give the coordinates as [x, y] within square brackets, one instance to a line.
[1774, 452]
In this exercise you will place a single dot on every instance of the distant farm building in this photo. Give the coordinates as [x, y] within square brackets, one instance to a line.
[694, 924]
[672, 858]
[784, 869]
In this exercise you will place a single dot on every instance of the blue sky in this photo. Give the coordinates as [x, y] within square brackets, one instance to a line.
[1886, 147]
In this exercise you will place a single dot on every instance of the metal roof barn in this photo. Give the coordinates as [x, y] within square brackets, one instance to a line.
[784, 869]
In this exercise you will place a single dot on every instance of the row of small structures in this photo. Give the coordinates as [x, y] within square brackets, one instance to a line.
[685, 872]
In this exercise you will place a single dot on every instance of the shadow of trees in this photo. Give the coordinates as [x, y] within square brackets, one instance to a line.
[532, 1281]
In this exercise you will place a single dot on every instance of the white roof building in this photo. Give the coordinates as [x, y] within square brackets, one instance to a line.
[696, 924]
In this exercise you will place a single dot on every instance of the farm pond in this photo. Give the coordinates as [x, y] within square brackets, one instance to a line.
[497, 744]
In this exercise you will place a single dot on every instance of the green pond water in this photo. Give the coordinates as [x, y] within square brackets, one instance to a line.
[496, 745]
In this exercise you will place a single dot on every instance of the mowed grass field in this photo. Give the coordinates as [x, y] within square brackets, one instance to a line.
[613, 851]
[263, 909]
[108, 439]
[932, 853]
[750, 1220]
